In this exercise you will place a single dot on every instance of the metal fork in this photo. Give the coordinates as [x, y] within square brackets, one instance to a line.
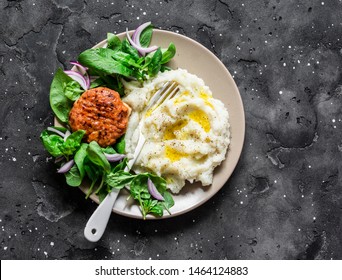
[98, 221]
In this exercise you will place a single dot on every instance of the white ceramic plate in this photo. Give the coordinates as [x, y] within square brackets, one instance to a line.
[200, 61]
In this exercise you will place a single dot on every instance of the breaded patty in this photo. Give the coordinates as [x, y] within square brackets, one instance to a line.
[102, 114]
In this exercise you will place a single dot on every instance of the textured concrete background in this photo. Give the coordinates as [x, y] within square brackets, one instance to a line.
[284, 200]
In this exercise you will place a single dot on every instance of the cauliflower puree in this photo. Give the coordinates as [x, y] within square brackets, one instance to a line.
[186, 137]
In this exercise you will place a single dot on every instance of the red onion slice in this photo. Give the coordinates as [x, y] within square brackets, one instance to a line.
[138, 31]
[83, 71]
[66, 167]
[58, 159]
[114, 157]
[78, 78]
[60, 133]
[141, 50]
[79, 65]
[153, 190]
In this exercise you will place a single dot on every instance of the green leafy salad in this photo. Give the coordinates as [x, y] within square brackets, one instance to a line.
[104, 167]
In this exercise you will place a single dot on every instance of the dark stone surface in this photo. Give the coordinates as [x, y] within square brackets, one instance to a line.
[284, 200]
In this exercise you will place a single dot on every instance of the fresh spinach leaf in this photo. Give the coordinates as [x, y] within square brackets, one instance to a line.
[120, 166]
[120, 145]
[113, 42]
[98, 82]
[60, 104]
[109, 150]
[72, 143]
[96, 156]
[79, 158]
[168, 54]
[73, 177]
[113, 82]
[73, 90]
[52, 143]
[119, 179]
[101, 60]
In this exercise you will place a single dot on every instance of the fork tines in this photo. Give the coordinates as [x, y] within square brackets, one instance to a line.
[166, 92]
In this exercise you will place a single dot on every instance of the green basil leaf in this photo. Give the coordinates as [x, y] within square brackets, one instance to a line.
[60, 104]
[96, 156]
[168, 54]
[113, 42]
[73, 177]
[125, 59]
[146, 36]
[127, 48]
[154, 66]
[168, 200]
[101, 60]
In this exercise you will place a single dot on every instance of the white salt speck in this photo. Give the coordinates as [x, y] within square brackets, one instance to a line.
[309, 166]
[322, 3]
[275, 181]
[280, 92]
[138, 18]
[333, 120]
[241, 202]
[144, 13]
[284, 195]
[299, 229]
[52, 243]
[290, 47]
[298, 61]
[284, 64]
[5, 248]
[10, 59]
[309, 64]
[314, 218]
[176, 238]
[14, 159]
[45, 253]
[302, 195]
